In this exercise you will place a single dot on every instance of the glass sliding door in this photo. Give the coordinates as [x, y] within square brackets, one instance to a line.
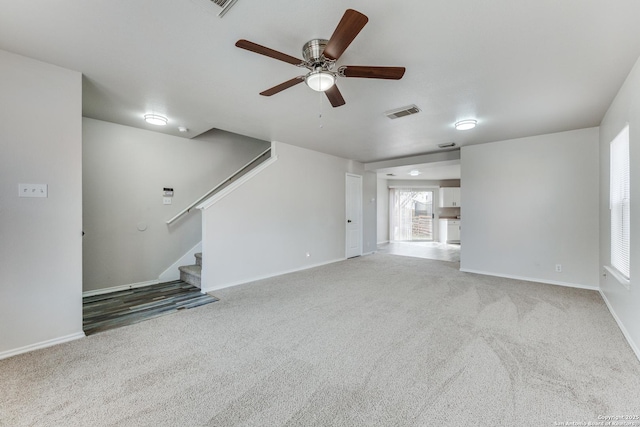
[410, 214]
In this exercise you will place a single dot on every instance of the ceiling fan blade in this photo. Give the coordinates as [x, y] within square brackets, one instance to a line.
[350, 25]
[262, 50]
[391, 73]
[282, 86]
[335, 97]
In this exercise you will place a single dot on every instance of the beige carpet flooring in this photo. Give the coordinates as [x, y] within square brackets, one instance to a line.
[380, 340]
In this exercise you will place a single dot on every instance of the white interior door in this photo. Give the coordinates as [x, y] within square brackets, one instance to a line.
[354, 216]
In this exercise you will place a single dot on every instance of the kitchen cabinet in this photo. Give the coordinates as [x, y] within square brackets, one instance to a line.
[450, 231]
[450, 197]
[453, 231]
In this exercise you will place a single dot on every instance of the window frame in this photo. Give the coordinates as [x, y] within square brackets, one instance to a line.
[620, 207]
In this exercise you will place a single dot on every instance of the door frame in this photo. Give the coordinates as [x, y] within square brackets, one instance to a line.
[358, 199]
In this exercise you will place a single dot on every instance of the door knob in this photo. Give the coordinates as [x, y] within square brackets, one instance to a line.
[348, 220]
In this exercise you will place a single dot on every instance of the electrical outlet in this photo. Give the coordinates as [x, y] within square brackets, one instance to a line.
[166, 200]
[32, 190]
[558, 268]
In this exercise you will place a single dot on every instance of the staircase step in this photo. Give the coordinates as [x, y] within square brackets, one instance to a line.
[191, 274]
[199, 258]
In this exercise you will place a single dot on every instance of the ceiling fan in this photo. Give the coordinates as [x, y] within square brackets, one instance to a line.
[320, 57]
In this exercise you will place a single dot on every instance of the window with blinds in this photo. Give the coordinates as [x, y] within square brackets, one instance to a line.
[619, 203]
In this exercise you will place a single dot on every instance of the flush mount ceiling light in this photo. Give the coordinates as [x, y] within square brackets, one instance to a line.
[466, 124]
[154, 119]
[415, 173]
[320, 80]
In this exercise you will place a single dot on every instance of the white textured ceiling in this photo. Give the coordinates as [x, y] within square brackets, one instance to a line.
[519, 67]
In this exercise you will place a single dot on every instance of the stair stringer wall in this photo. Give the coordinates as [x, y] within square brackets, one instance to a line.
[290, 216]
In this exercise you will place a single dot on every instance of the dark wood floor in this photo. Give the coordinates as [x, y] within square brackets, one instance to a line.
[116, 309]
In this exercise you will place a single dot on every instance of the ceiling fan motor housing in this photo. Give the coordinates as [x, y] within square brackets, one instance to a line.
[312, 52]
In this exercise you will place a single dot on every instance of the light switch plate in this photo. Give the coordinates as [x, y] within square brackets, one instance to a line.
[33, 190]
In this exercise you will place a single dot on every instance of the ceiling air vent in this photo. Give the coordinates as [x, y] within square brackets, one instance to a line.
[401, 112]
[447, 145]
[225, 5]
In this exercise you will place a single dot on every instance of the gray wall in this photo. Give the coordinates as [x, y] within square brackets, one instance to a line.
[40, 239]
[125, 170]
[383, 211]
[294, 207]
[369, 210]
[427, 183]
[532, 203]
[624, 303]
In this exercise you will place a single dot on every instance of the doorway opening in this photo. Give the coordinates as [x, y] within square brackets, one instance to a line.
[411, 215]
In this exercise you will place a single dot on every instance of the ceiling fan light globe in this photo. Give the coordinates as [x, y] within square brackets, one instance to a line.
[320, 81]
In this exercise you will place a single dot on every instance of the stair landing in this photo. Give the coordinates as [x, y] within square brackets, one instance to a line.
[121, 308]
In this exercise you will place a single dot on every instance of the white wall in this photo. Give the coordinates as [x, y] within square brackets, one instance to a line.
[532, 203]
[383, 211]
[427, 183]
[40, 239]
[125, 170]
[369, 209]
[267, 226]
[623, 303]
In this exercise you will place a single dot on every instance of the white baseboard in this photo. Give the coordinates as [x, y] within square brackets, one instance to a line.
[382, 243]
[533, 279]
[266, 276]
[172, 273]
[119, 288]
[43, 344]
[632, 344]
[369, 253]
